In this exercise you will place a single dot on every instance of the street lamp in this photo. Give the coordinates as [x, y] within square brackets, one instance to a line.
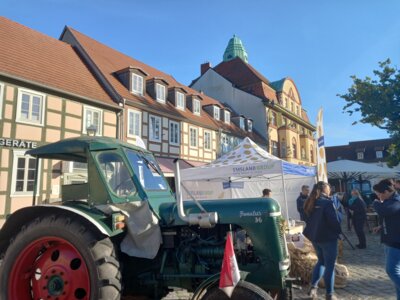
[91, 130]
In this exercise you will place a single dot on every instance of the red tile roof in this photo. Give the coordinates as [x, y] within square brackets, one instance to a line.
[245, 77]
[32, 56]
[109, 61]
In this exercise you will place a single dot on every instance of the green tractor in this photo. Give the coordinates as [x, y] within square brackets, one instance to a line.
[123, 233]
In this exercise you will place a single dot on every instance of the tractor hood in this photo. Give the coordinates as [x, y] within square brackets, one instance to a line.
[230, 211]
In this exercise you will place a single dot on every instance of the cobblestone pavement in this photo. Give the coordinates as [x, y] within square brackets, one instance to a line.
[367, 281]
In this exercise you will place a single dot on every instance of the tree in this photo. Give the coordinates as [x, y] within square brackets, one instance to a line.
[378, 102]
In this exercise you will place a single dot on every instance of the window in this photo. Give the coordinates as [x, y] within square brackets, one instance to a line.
[294, 148]
[216, 113]
[207, 140]
[180, 100]
[303, 153]
[291, 107]
[379, 154]
[286, 102]
[360, 155]
[274, 148]
[311, 155]
[196, 107]
[283, 149]
[249, 125]
[227, 117]
[193, 136]
[30, 107]
[92, 117]
[174, 133]
[116, 174]
[137, 84]
[297, 110]
[147, 171]
[155, 129]
[1, 99]
[23, 176]
[241, 123]
[134, 123]
[160, 92]
[273, 118]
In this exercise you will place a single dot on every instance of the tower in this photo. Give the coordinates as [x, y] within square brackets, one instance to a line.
[235, 49]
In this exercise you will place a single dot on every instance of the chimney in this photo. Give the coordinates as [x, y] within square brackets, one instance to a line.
[204, 67]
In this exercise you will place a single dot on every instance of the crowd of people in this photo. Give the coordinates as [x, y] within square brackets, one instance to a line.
[323, 214]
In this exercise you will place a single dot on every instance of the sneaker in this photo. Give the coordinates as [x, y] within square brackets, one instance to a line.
[313, 293]
[331, 297]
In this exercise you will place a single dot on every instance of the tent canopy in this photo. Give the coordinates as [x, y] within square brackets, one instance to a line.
[350, 168]
[245, 172]
[247, 160]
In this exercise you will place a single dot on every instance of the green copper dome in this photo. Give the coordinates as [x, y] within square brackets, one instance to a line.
[235, 49]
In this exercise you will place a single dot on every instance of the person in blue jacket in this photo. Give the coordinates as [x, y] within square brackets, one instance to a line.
[305, 190]
[358, 210]
[388, 209]
[322, 229]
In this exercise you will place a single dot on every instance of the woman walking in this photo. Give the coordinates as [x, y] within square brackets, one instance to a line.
[358, 210]
[388, 209]
[322, 229]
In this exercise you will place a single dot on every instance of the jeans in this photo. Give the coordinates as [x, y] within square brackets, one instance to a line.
[393, 266]
[326, 253]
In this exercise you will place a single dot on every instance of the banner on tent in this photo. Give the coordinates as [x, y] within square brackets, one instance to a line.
[233, 185]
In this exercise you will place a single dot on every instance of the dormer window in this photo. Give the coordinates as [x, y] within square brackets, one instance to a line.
[249, 125]
[180, 101]
[227, 116]
[241, 123]
[160, 92]
[216, 113]
[196, 107]
[137, 84]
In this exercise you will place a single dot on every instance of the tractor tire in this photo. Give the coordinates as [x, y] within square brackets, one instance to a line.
[58, 257]
[243, 290]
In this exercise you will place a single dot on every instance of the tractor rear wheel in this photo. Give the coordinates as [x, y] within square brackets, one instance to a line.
[57, 257]
[243, 290]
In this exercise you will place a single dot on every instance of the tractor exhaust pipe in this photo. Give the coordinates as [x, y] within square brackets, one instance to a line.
[204, 219]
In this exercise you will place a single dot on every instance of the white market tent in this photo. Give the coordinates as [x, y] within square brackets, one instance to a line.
[244, 173]
[346, 170]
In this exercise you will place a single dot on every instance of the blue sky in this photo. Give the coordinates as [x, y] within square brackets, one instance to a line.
[318, 43]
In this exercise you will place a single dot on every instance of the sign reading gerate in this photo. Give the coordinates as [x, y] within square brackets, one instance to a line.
[17, 143]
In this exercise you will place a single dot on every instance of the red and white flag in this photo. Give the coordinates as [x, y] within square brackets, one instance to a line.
[230, 275]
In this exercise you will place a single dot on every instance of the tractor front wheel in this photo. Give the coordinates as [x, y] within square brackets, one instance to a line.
[57, 257]
[243, 290]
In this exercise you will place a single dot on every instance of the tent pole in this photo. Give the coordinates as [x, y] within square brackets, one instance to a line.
[284, 193]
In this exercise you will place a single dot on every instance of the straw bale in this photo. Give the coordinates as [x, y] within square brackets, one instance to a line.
[303, 261]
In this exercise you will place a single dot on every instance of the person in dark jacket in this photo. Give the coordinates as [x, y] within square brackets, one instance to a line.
[322, 229]
[305, 190]
[358, 210]
[388, 209]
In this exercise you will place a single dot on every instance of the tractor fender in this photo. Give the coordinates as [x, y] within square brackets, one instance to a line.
[211, 281]
[26, 215]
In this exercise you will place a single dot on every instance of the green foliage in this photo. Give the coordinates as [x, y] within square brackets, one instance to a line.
[378, 101]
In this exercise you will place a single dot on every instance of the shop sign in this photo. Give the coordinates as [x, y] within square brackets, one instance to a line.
[17, 143]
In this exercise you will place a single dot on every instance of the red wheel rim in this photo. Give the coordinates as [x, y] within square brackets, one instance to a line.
[49, 268]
